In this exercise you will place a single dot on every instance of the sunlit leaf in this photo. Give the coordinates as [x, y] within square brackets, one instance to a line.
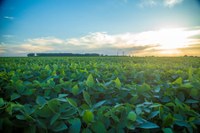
[72, 102]
[75, 90]
[178, 81]
[90, 81]
[117, 83]
[88, 116]
[132, 116]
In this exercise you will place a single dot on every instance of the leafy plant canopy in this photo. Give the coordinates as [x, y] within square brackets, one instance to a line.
[100, 94]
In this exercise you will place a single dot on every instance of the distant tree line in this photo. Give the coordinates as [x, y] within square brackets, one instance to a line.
[60, 54]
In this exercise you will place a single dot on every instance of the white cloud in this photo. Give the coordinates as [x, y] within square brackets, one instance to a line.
[165, 3]
[35, 48]
[157, 42]
[45, 41]
[171, 3]
[8, 17]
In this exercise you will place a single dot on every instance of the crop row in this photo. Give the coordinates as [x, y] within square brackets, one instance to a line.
[100, 94]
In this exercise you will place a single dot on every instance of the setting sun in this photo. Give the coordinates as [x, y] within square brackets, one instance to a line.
[172, 38]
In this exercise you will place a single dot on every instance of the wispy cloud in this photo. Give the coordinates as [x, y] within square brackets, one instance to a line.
[8, 17]
[165, 3]
[45, 41]
[158, 42]
[148, 3]
[171, 3]
[7, 36]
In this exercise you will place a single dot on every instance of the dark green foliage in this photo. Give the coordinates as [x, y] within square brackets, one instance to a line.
[99, 94]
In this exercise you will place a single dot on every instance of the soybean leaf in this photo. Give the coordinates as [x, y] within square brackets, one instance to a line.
[41, 101]
[99, 127]
[15, 96]
[178, 81]
[148, 125]
[187, 85]
[88, 116]
[75, 125]
[54, 118]
[90, 81]
[167, 130]
[86, 97]
[168, 120]
[45, 111]
[157, 89]
[153, 114]
[190, 73]
[42, 123]
[20, 117]
[155, 105]
[117, 83]
[181, 123]
[1, 102]
[54, 105]
[132, 116]
[99, 104]
[59, 126]
[86, 130]
[75, 90]
[62, 95]
[191, 101]
[72, 102]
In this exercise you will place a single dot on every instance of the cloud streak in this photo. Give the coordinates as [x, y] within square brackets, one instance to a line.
[8, 17]
[45, 41]
[165, 3]
[171, 3]
[163, 42]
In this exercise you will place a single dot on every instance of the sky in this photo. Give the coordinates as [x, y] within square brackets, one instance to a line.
[109, 27]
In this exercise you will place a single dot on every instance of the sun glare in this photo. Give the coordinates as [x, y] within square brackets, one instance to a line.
[172, 38]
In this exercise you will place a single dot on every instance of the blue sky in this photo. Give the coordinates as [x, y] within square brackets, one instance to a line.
[102, 26]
